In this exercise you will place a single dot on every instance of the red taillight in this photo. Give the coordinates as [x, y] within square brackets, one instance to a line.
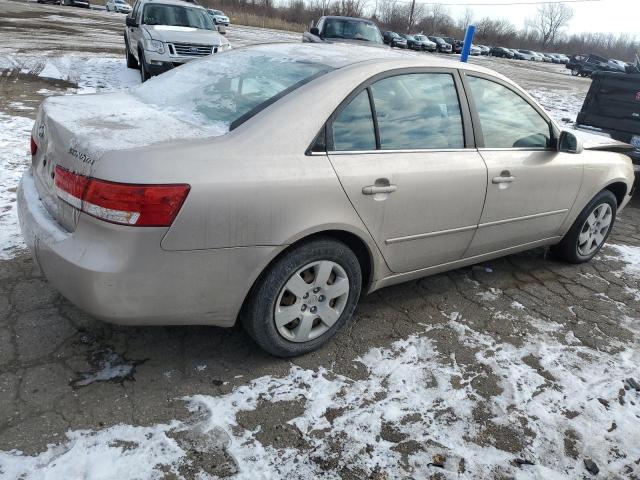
[34, 147]
[122, 203]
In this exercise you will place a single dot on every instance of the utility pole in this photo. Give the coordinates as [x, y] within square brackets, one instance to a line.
[413, 6]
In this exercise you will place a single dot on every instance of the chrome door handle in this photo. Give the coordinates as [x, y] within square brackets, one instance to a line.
[502, 179]
[373, 189]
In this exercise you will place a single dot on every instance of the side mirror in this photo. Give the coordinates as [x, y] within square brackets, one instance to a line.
[315, 31]
[569, 143]
[131, 22]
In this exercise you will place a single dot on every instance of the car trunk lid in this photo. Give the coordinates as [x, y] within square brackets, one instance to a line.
[76, 132]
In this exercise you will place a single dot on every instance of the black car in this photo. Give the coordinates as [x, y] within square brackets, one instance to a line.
[612, 108]
[441, 45]
[586, 64]
[336, 29]
[501, 52]
[412, 42]
[456, 45]
[55, 2]
[394, 40]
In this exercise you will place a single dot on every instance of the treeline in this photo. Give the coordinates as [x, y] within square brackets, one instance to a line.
[432, 19]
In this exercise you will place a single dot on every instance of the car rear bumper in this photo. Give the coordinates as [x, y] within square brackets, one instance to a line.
[121, 274]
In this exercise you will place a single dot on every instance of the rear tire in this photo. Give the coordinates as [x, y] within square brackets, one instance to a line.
[590, 231]
[326, 277]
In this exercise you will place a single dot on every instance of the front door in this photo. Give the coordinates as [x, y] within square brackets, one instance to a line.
[531, 186]
[398, 148]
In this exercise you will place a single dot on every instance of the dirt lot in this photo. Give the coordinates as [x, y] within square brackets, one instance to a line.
[522, 367]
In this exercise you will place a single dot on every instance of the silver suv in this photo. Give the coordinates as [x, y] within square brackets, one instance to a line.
[162, 34]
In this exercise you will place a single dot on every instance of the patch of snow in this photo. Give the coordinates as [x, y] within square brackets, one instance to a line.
[490, 295]
[517, 305]
[14, 160]
[111, 367]
[629, 255]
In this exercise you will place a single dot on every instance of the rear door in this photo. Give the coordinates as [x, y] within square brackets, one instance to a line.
[531, 186]
[399, 147]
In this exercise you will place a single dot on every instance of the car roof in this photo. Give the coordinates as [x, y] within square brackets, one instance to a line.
[339, 55]
[341, 17]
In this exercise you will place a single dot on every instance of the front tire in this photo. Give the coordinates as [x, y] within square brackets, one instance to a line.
[590, 231]
[144, 74]
[131, 60]
[303, 298]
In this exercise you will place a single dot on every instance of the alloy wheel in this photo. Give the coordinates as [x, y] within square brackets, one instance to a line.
[311, 301]
[594, 230]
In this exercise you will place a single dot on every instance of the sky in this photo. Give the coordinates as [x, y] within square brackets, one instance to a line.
[617, 16]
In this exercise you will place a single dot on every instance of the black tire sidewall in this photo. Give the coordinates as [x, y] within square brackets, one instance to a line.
[257, 316]
[568, 247]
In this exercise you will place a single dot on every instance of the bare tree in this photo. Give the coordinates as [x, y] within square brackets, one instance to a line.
[551, 18]
[465, 19]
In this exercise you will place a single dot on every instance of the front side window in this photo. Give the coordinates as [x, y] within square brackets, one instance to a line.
[353, 127]
[507, 120]
[418, 111]
[176, 16]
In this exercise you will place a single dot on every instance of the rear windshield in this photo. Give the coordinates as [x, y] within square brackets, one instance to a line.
[223, 90]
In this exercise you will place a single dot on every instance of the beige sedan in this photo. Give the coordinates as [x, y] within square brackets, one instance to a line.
[273, 185]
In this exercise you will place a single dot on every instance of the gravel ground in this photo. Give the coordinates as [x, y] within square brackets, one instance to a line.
[523, 367]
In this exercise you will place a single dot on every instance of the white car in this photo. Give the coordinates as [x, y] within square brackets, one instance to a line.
[218, 17]
[163, 34]
[530, 55]
[119, 6]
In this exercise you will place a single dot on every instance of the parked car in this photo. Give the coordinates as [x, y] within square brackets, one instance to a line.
[530, 55]
[391, 194]
[156, 40]
[119, 6]
[484, 50]
[501, 52]
[219, 18]
[585, 64]
[427, 45]
[412, 43]
[563, 58]
[612, 108]
[517, 55]
[394, 39]
[547, 58]
[55, 2]
[76, 3]
[332, 29]
[441, 45]
[474, 50]
[456, 45]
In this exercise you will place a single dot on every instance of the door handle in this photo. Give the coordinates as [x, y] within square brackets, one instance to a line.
[373, 189]
[504, 177]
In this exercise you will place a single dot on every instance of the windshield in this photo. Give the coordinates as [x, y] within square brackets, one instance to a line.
[176, 16]
[420, 37]
[221, 91]
[351, 29]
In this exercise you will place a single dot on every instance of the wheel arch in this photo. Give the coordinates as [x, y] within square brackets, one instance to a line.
[619, 189]
[362, 249]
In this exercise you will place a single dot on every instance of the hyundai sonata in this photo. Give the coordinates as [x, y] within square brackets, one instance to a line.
[272, 185]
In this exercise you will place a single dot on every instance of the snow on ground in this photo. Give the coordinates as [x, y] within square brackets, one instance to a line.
[410, 410]
[14, 159]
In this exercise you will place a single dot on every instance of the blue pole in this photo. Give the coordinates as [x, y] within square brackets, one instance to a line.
[468, 39]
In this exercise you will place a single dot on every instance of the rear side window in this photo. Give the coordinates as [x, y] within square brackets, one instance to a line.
[507, 120]
[418, 111]
[353, 127]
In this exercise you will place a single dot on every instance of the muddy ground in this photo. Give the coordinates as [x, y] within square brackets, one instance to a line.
[515, 367]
